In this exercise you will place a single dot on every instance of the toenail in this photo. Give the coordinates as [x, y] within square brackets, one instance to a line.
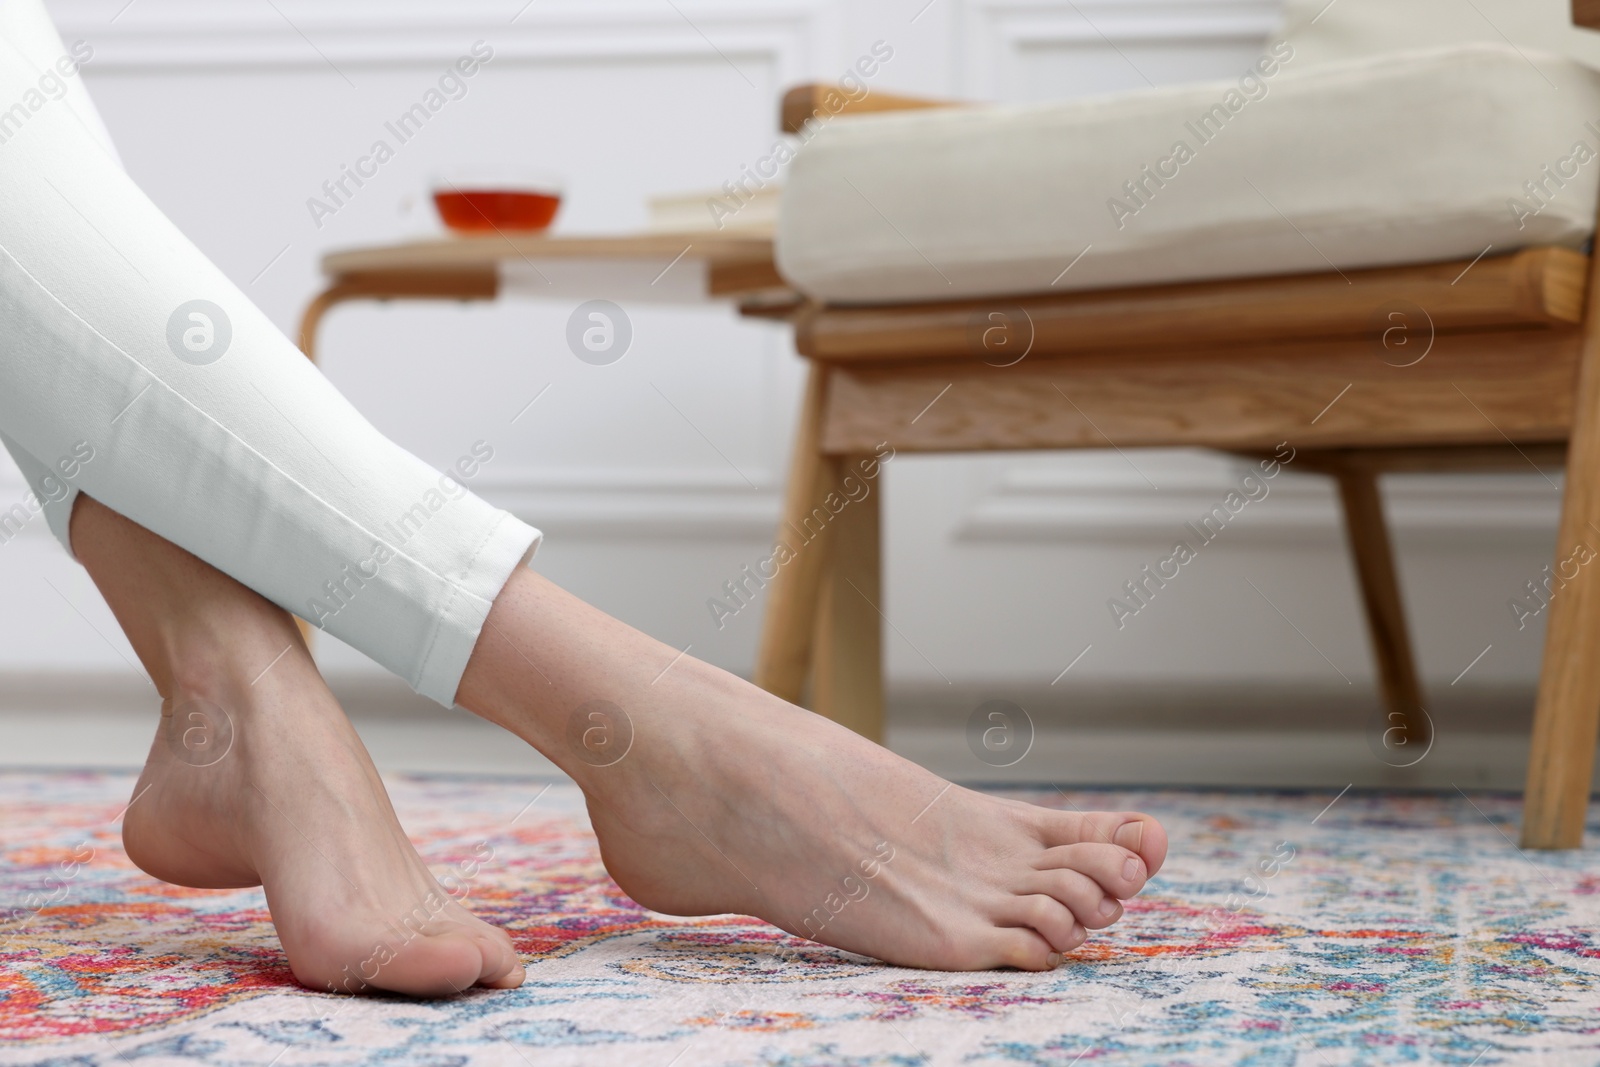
[1053, 960]
[1108, 907]
[1130, 835]
[1130, 869]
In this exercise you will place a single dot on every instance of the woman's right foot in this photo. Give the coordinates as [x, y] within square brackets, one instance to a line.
[741, 802]
[278, 791]
[709, 795]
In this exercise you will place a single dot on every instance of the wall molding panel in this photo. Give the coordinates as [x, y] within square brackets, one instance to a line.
[1002, 32]
[1033, 504]
[779, 40]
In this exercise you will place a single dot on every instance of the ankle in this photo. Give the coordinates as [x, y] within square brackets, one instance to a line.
[213, 654]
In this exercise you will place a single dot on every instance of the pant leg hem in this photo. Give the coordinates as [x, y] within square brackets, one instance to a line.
[510, 544]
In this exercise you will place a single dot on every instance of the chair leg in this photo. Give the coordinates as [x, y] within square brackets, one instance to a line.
[1566, 719]
[847, 677]
[1380, 598]
[792, 599]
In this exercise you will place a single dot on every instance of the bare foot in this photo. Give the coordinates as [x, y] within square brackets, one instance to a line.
[783, 814]
[256, 778]
[730, 800]
[279, 792]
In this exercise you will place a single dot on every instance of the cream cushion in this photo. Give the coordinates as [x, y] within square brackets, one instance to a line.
[1352, 29]
[1414, 156]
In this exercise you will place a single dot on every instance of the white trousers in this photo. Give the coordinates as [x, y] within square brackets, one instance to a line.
[131, 369]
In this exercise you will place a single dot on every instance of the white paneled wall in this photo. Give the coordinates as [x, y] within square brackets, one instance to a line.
[1042, 50]
[657, 478]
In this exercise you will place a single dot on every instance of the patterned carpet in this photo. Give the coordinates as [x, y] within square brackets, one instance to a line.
[1386, 929]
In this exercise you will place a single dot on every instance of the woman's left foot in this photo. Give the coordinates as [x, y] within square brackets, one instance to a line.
[257, 778]
[265, 783]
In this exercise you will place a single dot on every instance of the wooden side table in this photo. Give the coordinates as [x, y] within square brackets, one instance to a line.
[734, 267]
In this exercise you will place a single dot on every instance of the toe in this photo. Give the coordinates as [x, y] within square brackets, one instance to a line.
[1023, 949]
[434, 966]
[1142, 834]
[1048, 917]
[1118, 871]
[1131, 830]
[1092, 906]
[502, 967]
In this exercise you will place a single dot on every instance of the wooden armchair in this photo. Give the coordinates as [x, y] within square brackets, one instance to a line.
[1512, 379]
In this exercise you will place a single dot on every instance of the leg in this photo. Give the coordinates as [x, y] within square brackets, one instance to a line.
[1386, 621]
[1567, 716]
[727, 799]
[256, 778]
[847, 679]
[1566, 719]
[792, 602]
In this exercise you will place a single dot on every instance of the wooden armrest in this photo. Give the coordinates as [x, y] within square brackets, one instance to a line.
[823, 100]
[1586, 13]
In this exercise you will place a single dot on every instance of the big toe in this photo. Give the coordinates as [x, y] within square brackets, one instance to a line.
[1132, 830]
[1143, 834]
[502, 967]
[437, 966]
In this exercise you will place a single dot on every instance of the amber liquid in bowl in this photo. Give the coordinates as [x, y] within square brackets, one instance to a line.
[491, 210]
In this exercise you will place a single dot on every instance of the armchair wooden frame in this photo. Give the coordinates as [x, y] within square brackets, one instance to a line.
[1485, 364]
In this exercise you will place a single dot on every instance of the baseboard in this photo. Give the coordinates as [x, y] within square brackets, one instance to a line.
[1212, 706]
[366, 695]
[101, 720]
[1199, 734]
[1309, 736]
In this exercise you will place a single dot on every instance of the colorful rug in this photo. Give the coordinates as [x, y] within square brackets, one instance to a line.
[1283, 931]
